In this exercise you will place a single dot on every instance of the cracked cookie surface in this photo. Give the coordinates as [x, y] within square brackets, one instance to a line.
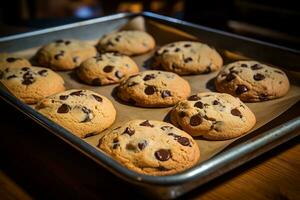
[126, 42]
[154, 89]
[107, 68]
[151, 147]
[187, 57]
[31, 84]
[215, 116]
[252, 81]
[64, 54]
[84, 113]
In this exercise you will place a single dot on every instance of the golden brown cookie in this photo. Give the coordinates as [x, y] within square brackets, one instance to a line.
[10, 60]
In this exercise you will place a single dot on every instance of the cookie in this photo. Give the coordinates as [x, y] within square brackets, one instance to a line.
[154, 89]
[10, 60]
[151, 147]
[215, 116]
[31, 84]
[84, 113]
[252, 81]
[187, 57]
[64, 54]
[107, 68]
[127, 42]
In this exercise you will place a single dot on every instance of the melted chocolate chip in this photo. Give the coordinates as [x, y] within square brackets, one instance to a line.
[188, 59]
[11, 76]
[108, 68]
[67, 42]
[88, 114]
[119, 74]
[10, 59]
[182, 114]
[256, 67]
[142, 144]
[196, 120]
[187, 45]
[149, 77]
[146, 123]
[149, 90]
[76, 93]
[165, 51]
[215, 102]
[96, 81]
[59, 55]
[244, 65]
[230, 77]
[25, 68]
[64, 108]
[129, 131]
[165, 93]
[63, 97]
[28, 78]
[43, 72]
[177, 50]
[236, 112]
[183, 141]
[97, 98]
[199, 104]
[258, 77]
[194, 98]
[241, 89]
[163, 154]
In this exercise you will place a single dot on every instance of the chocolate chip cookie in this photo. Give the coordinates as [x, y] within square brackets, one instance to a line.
[65, 54]
[107, 68]
[127, 42]
[187, 57]
[154, 89]
[215, 116]
[84, 113]
[10, 60]
[252, 81]
[151, 147]
[31, 84]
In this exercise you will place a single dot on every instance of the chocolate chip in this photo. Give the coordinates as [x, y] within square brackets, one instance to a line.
[25, 68]
[263, 97]
[142, 144]
[256, 67]
[182, 114]
[146, 123]
[119, 74]
[75, 59]
[11, 59]
[207, 70]
[258, 77]
[215, 102]
[244, 65]
[188, 59]
[76, 93]
[98, 58]
[230, 77]
[163, 154]
[236, 112]
[194, 98]
[129, 131]
[174, 135]
[96, 81]
[187, 45]
[63, 97]
[108, 68]
[64, 108]
[164, 128]
[28, 78]
[177, 50]
[149, 77]
[165, 51]
[241, 89]
[165, 93]
[88, 114]
[183, 141]
[196, 120]
[43, 72]
[59, 55]
[130, 147]
[130, 84]
[199, 104]
[149, 90]
[116, 143]
[97, 98]
[11, 76]
[67, 42]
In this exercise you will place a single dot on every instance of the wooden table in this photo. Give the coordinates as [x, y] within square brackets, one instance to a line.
[36, 164]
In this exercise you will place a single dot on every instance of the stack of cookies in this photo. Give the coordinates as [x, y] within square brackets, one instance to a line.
[144, 145]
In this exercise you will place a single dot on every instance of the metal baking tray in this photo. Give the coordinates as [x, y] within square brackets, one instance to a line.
[166, 187]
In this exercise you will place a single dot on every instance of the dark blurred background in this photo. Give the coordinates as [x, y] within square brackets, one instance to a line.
[272, 21]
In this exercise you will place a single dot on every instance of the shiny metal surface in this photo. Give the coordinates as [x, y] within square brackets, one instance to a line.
[175, 185]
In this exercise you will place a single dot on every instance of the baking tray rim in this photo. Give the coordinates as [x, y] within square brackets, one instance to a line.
[206, 170]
